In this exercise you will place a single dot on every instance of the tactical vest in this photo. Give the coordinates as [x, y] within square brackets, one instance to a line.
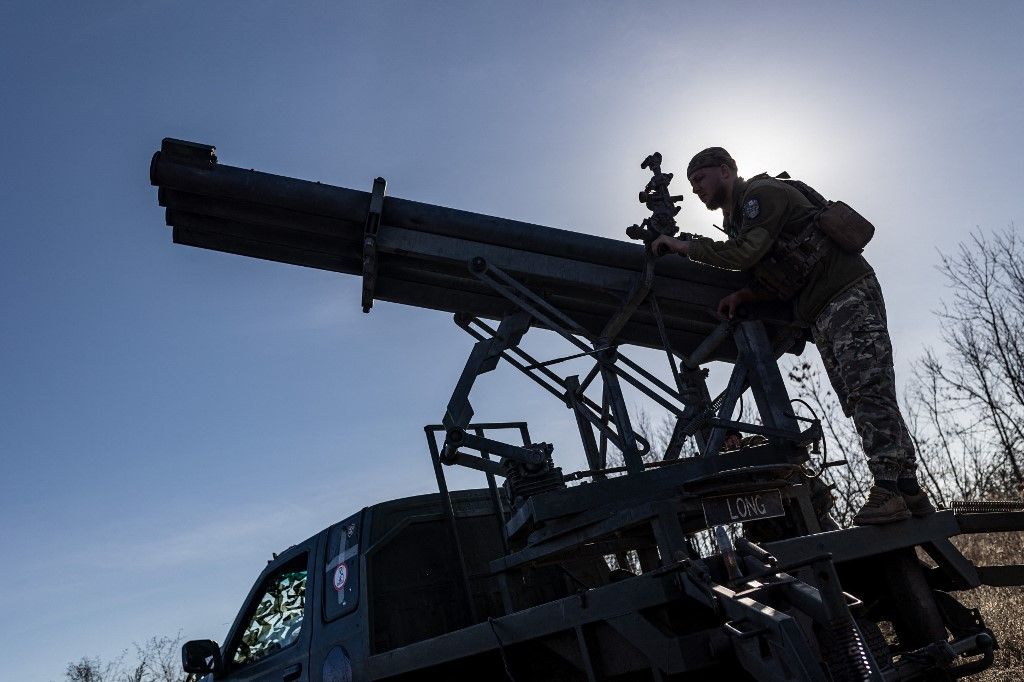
[798, 248]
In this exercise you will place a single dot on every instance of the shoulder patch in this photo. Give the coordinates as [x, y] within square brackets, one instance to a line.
[752, 208]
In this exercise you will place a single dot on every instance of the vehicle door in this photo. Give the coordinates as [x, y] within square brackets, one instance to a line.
[269, 642]
[338, 653]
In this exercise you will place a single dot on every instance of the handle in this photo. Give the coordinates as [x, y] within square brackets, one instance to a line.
[733, 628]
[292, 672]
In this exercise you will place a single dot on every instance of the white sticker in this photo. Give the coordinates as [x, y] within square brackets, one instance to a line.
[340, 577]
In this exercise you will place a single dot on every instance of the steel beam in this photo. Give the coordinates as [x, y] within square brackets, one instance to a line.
[599, 604]
[865, 541]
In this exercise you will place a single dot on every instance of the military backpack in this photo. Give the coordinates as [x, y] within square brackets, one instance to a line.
[784, 270]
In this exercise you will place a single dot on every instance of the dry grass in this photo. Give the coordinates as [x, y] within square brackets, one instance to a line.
[1001, 607]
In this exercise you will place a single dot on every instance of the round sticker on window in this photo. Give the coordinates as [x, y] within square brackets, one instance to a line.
[340, 577]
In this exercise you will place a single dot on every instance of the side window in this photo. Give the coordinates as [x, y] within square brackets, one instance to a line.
[277, 619]
[341, 585]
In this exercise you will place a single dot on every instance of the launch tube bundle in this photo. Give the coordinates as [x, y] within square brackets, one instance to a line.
[418, 254]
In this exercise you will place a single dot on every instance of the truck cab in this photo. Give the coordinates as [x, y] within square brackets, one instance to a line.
[385, 577]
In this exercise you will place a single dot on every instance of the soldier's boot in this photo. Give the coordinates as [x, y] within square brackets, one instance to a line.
[919, 504]
[915, 497]
[882, 506]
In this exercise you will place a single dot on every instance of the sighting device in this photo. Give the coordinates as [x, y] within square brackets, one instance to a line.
[661, 203]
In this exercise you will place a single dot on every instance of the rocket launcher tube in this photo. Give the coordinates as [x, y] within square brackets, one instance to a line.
[424, 250]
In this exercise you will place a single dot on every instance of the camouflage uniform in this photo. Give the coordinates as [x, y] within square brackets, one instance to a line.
[840, 300]
[853, 340]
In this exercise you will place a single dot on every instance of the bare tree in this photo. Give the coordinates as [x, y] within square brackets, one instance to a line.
[90, 670]
[967, 397]
[156, 660]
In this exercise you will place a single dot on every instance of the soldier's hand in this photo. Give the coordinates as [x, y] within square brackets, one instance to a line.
[728, 306]
[664, 245]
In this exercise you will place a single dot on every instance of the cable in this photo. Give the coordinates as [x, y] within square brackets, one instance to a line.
[824, 441]
[501, 650]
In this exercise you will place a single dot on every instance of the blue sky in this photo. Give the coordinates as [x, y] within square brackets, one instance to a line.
[169, 416]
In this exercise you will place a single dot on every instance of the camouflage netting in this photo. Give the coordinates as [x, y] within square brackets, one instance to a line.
[278, 619]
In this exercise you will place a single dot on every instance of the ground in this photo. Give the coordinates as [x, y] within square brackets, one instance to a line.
[1003, 607]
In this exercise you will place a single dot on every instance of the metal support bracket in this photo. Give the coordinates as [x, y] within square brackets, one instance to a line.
[641, 287]
[534, 453]
[370, 241]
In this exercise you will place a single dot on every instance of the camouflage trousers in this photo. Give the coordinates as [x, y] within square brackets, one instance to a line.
[853, 339]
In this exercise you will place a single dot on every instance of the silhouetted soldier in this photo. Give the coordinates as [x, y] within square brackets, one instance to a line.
[774, 233]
